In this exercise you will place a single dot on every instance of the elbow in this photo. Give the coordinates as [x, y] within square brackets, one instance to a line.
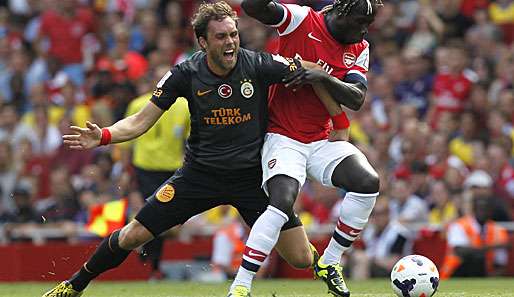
[355, 103]
[358, 104]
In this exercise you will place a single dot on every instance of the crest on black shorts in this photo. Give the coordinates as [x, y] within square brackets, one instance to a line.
[166, 193]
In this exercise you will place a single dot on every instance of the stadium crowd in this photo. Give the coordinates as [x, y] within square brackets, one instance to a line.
[437, 122]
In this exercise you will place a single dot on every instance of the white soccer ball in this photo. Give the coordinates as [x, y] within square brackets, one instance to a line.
[414, 276]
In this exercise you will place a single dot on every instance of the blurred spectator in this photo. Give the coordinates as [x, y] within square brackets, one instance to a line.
[452, 83]
[123, 63]
[439, 158]
[227, 249]
[20, 223]
[416, 88]
[477, 245]
[480, 184]
[11, 129]
[406, 207]
[455, 22]
[463, 144]
[502, 14]
[23, 211]
[62, 205]
[385, 241]
[64, 26]
[47, 137]
[443, 209]
[8, 177]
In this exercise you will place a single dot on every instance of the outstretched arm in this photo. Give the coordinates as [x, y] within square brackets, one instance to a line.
[265, 11]
[123, 130]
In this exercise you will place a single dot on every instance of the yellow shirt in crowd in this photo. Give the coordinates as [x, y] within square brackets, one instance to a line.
[446, 214]
[462, 150]
[501, 15]
[162, 147]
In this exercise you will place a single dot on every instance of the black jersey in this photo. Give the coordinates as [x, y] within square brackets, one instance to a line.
[228, 114]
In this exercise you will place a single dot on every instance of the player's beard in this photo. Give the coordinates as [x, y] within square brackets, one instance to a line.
[218, 60]
[224, 62]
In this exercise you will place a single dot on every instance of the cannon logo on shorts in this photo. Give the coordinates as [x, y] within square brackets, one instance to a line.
[272, 163]
[166, 193]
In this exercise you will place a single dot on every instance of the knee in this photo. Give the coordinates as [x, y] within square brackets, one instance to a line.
[133, 236]
[284, 203]
[370, 183]
[283, 191]
[367, 183]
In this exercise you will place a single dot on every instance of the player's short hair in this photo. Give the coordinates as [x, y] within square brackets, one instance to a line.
[354, 7]
[208, 12]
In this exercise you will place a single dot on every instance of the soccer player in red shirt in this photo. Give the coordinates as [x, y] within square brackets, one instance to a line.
[297, 145]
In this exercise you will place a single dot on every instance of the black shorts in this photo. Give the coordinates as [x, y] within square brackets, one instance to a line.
[191, 191]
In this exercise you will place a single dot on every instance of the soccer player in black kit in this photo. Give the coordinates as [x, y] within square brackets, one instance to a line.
[227, 89]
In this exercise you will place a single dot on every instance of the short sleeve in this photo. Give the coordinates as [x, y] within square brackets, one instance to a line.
[292, 19]
[171, 86]
[357, 72]
[273, 68]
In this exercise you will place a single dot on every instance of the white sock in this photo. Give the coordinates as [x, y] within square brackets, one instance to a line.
[263, 237]
[354, 214]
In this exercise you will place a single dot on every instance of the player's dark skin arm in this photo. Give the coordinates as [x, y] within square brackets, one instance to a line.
[348, 94]
[266, 11]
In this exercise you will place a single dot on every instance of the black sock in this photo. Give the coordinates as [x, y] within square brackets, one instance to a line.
[108, 255]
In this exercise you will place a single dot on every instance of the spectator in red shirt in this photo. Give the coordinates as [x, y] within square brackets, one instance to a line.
[121, 62]
[64, 28]
[452, 83]
[501, 170]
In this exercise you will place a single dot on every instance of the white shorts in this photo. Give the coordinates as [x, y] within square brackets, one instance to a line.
[316, 160]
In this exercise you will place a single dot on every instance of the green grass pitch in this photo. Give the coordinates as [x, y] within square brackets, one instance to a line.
[498, 287]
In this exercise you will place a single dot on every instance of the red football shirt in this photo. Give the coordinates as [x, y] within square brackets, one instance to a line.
[303, 34]
[65, 34]
[451, 93]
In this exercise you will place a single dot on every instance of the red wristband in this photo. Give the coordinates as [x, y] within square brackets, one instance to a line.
[340, 121]
[106, 137]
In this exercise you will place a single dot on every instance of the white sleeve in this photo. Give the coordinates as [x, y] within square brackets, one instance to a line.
[293, 17]
[221, 250]
[456, 236]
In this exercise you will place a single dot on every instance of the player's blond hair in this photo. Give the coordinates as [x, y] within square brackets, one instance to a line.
[211, 11]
